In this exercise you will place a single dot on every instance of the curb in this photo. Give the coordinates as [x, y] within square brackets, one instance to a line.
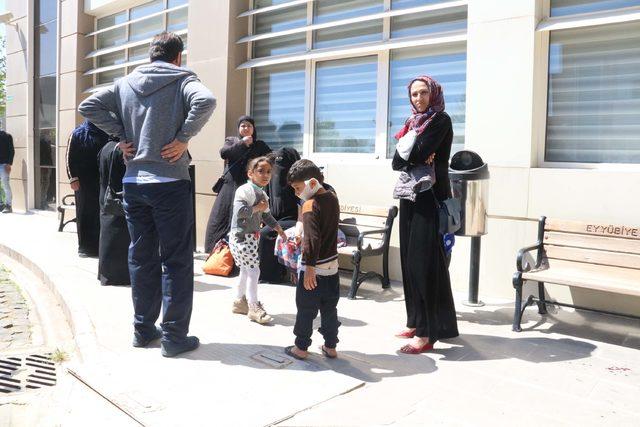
[82, 327]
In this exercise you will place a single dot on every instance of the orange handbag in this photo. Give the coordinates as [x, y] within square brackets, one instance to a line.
[220, 261]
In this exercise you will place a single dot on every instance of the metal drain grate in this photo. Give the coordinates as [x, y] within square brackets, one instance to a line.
[27, 372]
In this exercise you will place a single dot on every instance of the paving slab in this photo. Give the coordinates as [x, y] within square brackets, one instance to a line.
[221, 381]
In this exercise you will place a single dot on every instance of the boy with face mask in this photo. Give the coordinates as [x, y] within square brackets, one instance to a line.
[318, 282]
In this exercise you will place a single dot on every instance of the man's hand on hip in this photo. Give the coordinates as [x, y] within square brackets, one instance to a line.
[174, 151]
[7, 168]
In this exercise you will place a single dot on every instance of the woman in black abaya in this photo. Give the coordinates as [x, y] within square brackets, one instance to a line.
[431, 313]
[236, 153]
[82, 168]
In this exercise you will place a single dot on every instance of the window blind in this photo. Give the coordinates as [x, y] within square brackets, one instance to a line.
[345, 105]
[594, 95]
[278, 104]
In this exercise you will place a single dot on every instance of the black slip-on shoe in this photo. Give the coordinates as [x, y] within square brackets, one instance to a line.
[141, 341]
[172, 348]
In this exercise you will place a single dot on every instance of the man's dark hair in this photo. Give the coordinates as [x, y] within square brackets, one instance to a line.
[303, 170]
[165, 47]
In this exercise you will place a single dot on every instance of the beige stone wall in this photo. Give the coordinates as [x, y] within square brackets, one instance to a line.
[214, 55]
[18, 39]
[74, 46]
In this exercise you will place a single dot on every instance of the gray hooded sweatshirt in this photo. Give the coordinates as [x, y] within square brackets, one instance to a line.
[151, 107]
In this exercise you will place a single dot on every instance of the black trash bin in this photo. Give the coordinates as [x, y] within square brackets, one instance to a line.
[469, 176]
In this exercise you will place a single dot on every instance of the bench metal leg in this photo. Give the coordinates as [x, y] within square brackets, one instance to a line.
[61, 226]
[517, 314]
[542, 306]
[385, 269]
[355, 282]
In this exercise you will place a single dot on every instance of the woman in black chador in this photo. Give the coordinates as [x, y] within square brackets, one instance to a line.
[113, 268]
[236, 153]
[85, 143]
[431, 313]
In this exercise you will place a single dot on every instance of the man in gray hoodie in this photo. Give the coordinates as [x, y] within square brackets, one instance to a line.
[155, 111]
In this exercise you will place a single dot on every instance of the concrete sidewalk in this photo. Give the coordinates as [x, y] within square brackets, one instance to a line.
[568, 368]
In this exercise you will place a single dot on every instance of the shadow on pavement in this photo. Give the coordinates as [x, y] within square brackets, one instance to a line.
[581, 324]
[199, 286]
[471, 347]
[364, 367]
[288, 319]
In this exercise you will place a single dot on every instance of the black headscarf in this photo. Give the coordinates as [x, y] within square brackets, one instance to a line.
[253, 123]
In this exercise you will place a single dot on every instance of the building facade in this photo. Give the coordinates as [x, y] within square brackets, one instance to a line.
[546, 91]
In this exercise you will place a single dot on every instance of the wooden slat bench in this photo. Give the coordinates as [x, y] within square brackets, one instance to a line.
[602, 257]
[68, 204]
[368, 232]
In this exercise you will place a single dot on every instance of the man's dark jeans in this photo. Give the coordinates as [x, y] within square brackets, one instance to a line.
[160, 221]
[323, 298]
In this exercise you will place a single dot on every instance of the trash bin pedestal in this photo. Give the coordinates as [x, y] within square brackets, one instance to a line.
[474, 274]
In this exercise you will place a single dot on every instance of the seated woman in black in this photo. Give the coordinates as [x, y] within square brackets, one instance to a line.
[283, 205]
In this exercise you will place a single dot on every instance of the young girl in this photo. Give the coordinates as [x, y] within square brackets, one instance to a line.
[250, 209]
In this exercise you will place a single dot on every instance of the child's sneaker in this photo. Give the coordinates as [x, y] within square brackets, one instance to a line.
[240, 306]
[258, 314]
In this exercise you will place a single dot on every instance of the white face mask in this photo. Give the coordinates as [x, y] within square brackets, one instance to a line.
[308, 191]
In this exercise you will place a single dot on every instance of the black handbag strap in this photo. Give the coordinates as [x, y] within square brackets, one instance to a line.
[235, 163]
[435, 198]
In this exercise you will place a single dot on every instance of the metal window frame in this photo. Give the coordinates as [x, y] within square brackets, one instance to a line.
[543, 30]
[355, 50]
[133, 21]
[33, 121]
[588, 19]
[255, 11]
[356, 20]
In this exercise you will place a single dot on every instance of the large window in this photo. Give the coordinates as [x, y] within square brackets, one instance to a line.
[122, 39]
[45, 103]
[594, 95]
[345, 107]
[278, 104]
[347, 64]
[448, 65]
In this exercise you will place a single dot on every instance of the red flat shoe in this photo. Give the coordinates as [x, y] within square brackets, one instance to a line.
[409, 349]
[406, 334]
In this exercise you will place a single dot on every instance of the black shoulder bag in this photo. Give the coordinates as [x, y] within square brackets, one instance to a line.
[112, 199]
[449, 214]
[220, 182]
